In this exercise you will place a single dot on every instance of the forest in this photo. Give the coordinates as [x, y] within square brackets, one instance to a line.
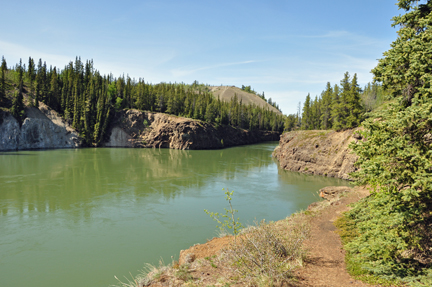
[339, 107]
[88, 100]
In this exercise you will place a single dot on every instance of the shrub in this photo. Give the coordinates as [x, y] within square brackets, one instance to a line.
[263, 254]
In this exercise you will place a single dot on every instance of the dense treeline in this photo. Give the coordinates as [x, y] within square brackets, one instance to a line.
[338, 107]
[88, 99]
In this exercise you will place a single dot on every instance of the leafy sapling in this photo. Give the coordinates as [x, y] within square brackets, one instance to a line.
[228, 218]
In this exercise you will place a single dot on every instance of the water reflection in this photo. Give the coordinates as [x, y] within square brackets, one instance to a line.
[78, 217]
[52, 180]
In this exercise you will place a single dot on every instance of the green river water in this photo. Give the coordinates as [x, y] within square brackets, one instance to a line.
[77, 217]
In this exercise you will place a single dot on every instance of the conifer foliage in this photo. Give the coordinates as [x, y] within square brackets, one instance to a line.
[88, 100]
[337, 108]
[394, 224]
[3, 69]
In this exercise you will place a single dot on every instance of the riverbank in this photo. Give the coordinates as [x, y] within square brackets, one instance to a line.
[44, 128]
[318, 152]
[322, 264]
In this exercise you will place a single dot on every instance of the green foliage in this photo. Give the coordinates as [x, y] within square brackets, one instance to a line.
[395, 223]
[3, 69]
[229, 221]
[118, 103]
[337, 108]
[17, 109]
[306, 116]
[88, 100]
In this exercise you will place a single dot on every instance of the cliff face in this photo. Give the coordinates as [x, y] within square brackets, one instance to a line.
[42, 128]
[133, 128]
[317, 152]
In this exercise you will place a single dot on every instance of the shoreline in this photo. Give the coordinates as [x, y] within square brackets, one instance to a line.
[205, 264]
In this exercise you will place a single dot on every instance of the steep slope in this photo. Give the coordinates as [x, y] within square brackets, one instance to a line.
[134, 128]
[317, 152]
[226, 93]
[42, 128]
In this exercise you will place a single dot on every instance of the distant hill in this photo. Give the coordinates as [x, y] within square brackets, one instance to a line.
[226, 93]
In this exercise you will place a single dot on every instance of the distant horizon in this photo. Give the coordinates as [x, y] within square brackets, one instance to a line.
[282, 48]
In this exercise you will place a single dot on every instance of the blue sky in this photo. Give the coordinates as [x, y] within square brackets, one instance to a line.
[285, 48]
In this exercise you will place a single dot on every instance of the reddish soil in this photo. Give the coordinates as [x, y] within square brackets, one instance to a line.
[325, 264]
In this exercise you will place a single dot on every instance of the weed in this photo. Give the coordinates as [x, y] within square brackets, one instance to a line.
[182, 273]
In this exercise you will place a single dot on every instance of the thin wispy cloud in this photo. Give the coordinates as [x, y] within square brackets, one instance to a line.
[288, 51]
[185, 72]
[15, 52]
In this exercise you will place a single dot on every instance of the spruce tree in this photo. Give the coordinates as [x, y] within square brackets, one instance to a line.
[306, 116]
[326, 107]
[354, 107]
[3, 69]
[394, 223]
[17, 109]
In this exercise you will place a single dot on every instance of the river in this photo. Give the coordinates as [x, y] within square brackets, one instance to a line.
[77, 217]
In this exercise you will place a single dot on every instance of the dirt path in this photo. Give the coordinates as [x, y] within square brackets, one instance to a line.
[325, 265]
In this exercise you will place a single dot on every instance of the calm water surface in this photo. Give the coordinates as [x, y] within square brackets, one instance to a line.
[78, 217]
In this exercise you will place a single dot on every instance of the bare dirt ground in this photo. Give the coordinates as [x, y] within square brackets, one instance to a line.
[325, 265]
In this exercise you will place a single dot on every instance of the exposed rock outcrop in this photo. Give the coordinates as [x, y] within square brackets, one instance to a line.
[42, 128]
[133, 128]
[331, 192]
[317, 152]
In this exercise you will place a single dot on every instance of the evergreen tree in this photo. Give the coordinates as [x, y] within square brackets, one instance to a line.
[31, 75]
[3, 69]
[394, 222]
[336, 109]
[326, 107]
[306, 116]
[354, 108]
[17, 109]
[54, 91]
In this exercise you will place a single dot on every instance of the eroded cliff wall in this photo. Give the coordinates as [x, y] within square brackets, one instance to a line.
[317, 152]
[133, 128]
[42, 128]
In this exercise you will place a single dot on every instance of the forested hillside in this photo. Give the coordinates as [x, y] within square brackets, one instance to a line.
[88, 100]
[338, 107]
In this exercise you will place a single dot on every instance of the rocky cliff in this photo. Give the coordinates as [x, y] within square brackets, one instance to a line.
[133, 128]
[42, 128]
[317, 152]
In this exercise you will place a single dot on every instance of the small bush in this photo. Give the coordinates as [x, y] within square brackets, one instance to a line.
[263, 253]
